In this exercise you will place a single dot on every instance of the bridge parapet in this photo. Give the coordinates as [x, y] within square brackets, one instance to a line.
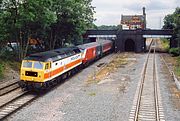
[101, 32]
[137, 31]
[125, 38]
[158, 32]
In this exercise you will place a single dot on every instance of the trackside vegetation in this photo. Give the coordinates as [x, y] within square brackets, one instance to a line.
[172, 21]
[177, 66]
[6, 66]
[165, 44]
[28, 26]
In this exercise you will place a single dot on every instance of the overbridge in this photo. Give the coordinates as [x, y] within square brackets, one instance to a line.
[128, 40]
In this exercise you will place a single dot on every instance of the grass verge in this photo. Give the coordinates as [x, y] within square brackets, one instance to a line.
[7, 65]
[177, 66]
[118, 61]
[165, 44]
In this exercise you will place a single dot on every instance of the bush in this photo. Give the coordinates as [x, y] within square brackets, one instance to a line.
[165, 44]
[7, 54]
[177, 66]
[8, 65]
[174, 51]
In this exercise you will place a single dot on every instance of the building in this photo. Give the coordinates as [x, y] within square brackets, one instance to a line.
[134, 21]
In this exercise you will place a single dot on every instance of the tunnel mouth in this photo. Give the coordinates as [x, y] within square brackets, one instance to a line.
[129, 45]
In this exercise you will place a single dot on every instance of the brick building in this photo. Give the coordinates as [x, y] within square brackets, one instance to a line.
[134, 21]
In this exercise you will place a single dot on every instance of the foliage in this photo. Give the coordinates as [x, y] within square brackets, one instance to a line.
[52, 23]
[22, 20]
[174, 51]
[172, 21]
[177, 67]
[165, 44]
[8, 65]
[74, 17]
[168, 22]
[111, 27]
[4, 52]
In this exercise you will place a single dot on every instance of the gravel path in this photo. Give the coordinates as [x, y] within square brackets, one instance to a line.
[171, 101]
[108, 100]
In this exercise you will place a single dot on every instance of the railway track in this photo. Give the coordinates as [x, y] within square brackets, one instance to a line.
[15, 104]
[9, 88]
[22, 100]
[147, 104]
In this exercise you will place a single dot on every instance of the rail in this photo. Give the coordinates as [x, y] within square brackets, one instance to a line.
[147, 97]
[15, 104]
[9, 88]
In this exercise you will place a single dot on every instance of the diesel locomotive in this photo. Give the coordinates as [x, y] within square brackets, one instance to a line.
[44, 69]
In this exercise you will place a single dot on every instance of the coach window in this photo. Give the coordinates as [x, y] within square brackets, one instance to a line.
[76, 50]
[73, 53]
[63, 55]
[68, 53]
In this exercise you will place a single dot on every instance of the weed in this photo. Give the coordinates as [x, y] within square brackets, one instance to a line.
[177, 67]
[92, 94]
[5, 65]
[165, 44]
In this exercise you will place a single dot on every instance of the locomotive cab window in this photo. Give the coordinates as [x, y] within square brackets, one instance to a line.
[27, 64]
[38, 65]
[47, 66]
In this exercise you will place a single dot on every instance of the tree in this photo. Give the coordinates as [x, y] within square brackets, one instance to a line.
[51, 22]
[169, 22]
[35, 17]
[74, 17]
[176, 15]
[110, 27]
[172, 21]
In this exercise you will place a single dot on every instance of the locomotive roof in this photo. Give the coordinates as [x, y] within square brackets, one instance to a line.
[54, 55]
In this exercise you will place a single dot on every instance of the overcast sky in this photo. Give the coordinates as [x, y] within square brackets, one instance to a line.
[108, 12]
